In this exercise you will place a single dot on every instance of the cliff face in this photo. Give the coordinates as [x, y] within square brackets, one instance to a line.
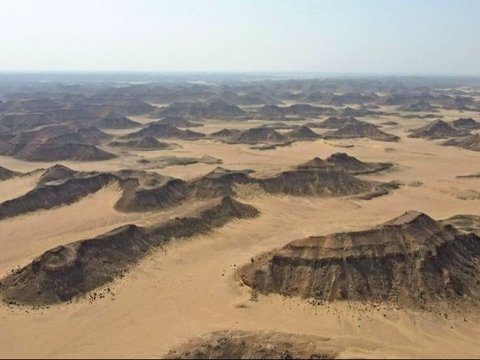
[410, 260]
[47, 196]
[71, 270]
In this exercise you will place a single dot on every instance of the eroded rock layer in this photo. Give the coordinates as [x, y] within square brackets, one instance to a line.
[71, 270]
[410, 260]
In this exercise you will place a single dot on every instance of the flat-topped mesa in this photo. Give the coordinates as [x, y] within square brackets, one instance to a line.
[72, 270]
[438, 129]
[411, 260]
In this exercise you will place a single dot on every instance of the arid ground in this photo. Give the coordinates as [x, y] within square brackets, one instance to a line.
[185, 286]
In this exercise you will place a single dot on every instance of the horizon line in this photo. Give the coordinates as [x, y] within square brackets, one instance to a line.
[241, 72]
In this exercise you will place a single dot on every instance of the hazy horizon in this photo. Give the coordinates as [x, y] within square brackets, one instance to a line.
[373, 37]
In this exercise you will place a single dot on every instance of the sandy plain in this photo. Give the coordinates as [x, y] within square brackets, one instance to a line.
[189, 287]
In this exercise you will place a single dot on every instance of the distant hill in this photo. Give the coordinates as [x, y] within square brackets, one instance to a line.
[146, 143]
[117, 121]
[360, 130]
[161, 130]
[465, 124]
[6, 174]
[471, 142]
[438, 129]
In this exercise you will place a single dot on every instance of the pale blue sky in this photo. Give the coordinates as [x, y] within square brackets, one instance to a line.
[349, 36]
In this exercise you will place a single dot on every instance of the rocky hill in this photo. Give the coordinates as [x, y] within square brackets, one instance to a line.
[411, 260]
[438, 129]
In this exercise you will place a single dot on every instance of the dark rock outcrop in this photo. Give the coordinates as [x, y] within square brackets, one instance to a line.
[116, 121]
[74, 269]
[74, 152]
[225, 133]
[411, 260]
[250, 136]
[302, 133]
[56, 143]
[354, 166]
[48, 196]
[438, 129]
[236, 344]
[6, 174]
[360, 130]
[465, 124]
[471, 142]
[177, 121]
[164, 131]
[146, 143]
[216, 109]
[57, 173]
[337, 123]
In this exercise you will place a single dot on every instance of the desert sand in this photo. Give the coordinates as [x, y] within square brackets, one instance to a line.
[189, 287]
